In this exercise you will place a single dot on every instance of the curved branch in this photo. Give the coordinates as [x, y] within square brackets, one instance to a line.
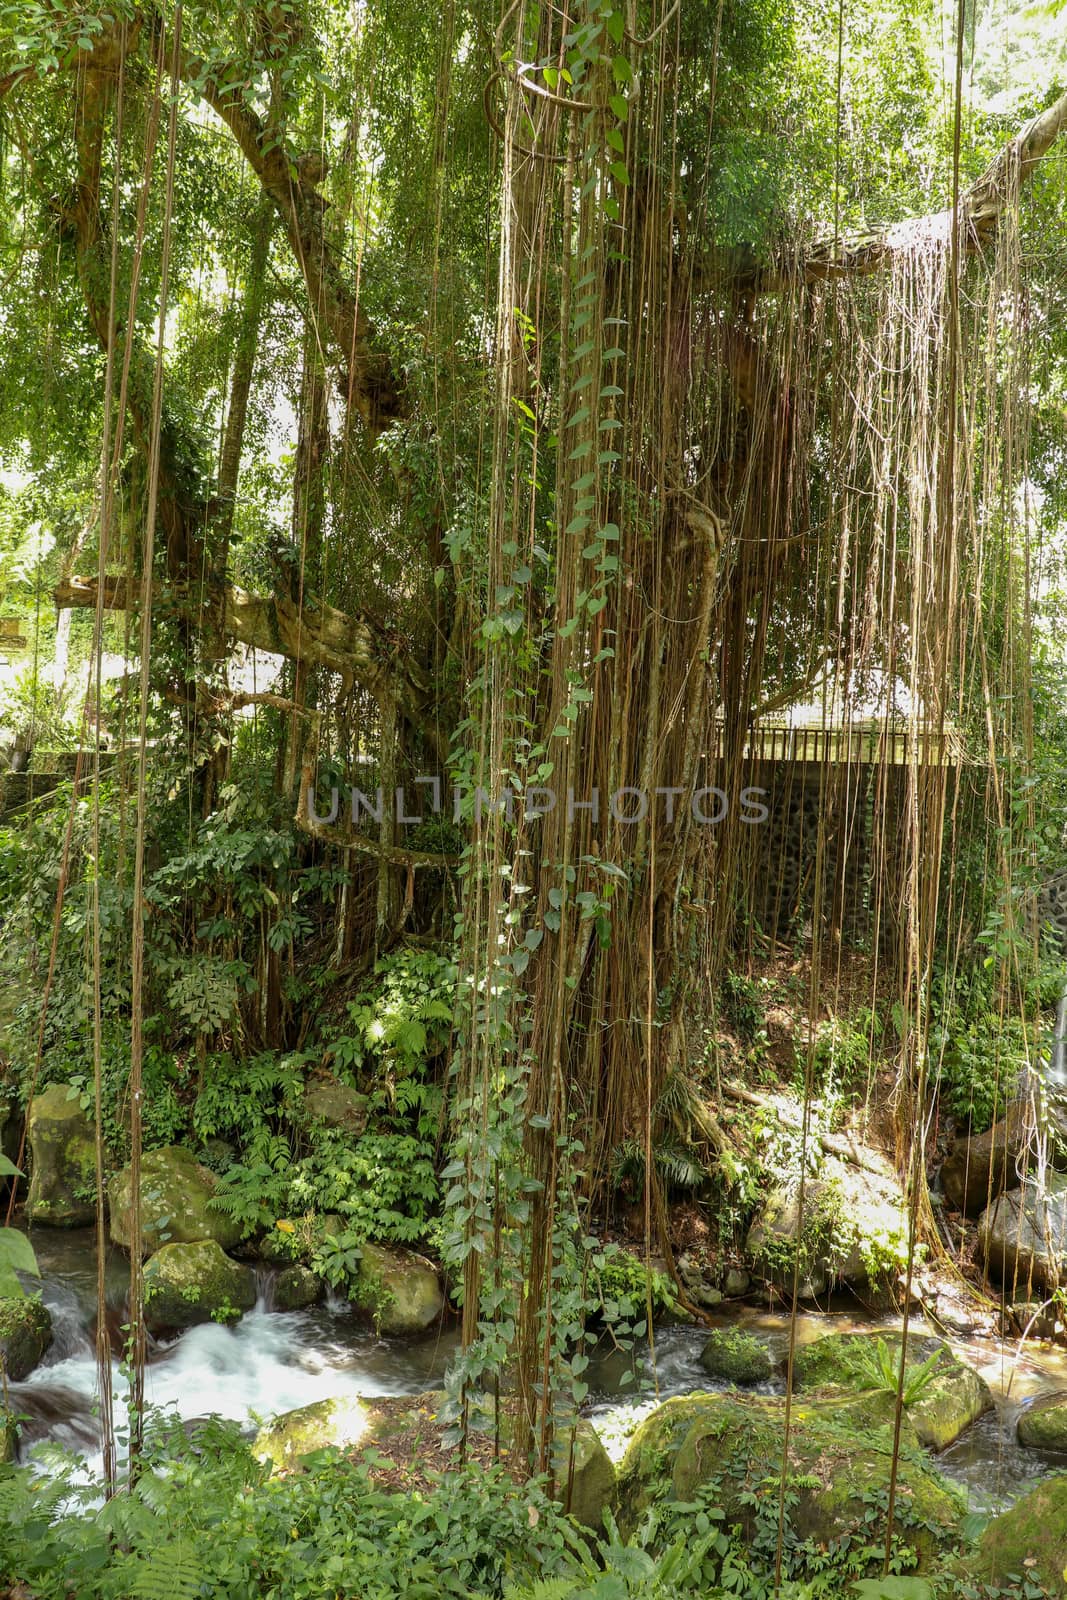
[368, 381]
[353, 646]
[981, 209]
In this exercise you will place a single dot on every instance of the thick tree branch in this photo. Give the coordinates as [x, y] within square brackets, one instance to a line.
[181, 515]
[312, 633]
[981, 208]
[352, 646]
[367, 377]
[392, 855]
[368, 381]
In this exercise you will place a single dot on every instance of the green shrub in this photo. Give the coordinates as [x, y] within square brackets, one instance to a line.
[204, 1518]
[977, 1064]
[621, 1277]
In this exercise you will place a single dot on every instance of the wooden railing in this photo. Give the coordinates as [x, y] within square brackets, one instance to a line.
[866, 743]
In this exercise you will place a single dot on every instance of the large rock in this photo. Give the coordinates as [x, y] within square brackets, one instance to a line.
[335, 1105]
[593, 1481]
[1043, 1425]
[977, 1170]
[736, 1356]
[342, 1423]
[189, 1283]
[401, 1289]
[855, 1227]
[1023, 1236]
[840, 1461]
[295, 1288]
[1029, 1540]
[176, 1208]
[25, 1335]
[63, 1160]
[951, 1399]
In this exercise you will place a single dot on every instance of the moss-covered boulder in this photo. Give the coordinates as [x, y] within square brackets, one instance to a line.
[593, 1480]
[343, 1423]
[1023, 1236]
[855, 1226]
[62, 1160]
[334, 1104]
[1027, 1542]
[736, 1356]
[295, 1288]
[176, 1203]
[944, 1404]
[1043, 1425]
[401, 1289]
[840, 1463]
[189, 1283]
[25, 1334]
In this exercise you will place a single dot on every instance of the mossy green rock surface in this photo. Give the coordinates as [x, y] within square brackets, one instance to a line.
[343, 1423]
[736, 1356]
[25, 1334]
[295, 1288]
[840, 1462]
[336, 1105]
[62, 1160]
[189, 1283]
[176, 1196]
[1043, 1425]
[593, 1479]
[953, 1398]
[1028, 1541]
[855, 1224]
[400, 1288]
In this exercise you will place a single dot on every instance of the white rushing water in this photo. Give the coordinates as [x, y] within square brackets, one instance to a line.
[272, 1362]
[268, 1363]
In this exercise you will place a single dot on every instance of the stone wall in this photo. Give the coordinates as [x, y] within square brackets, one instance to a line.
[780, 860]
[1052, 909]
[818, 851]
[18, 790]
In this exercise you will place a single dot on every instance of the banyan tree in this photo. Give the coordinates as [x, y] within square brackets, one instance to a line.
[635, 403]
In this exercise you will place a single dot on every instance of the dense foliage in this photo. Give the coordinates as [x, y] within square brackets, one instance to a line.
[406, 410]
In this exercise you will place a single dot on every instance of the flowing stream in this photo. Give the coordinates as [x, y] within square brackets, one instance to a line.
[274, 1361]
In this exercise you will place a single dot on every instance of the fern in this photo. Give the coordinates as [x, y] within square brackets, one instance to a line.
[676, 1165]
[546, 1589]
[171, 1572]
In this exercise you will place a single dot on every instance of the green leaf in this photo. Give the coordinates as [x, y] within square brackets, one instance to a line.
[16, 1252]
[893, 1589]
